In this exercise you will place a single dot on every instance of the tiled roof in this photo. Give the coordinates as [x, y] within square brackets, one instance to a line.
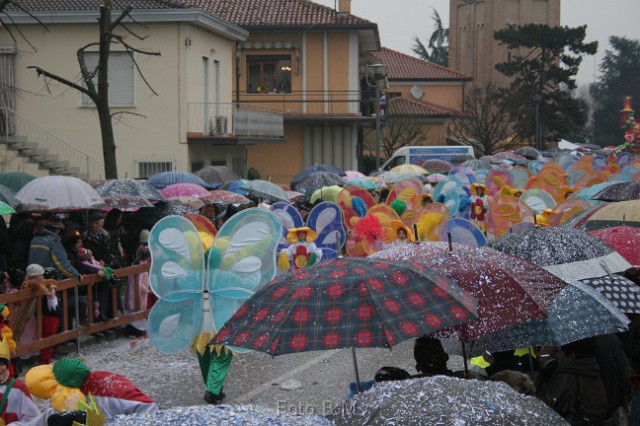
[262, 13]
[403, 106]
[35, 6]
[405, 67]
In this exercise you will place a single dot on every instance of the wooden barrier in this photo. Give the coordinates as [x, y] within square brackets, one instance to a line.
[72, 330]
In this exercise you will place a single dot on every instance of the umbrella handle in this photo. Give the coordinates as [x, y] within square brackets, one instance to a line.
[464, 359]
[355, 368]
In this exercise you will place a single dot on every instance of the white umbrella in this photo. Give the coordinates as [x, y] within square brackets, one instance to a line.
[57, 193]
[265, 189]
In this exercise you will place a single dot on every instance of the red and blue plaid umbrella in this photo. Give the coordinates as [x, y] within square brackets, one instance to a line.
[347, 302]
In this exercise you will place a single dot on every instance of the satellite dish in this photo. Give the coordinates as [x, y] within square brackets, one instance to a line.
[416, 92]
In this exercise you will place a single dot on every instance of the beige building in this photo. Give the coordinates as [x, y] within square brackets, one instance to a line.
[472, 48]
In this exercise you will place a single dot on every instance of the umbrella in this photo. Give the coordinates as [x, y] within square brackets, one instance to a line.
[509, 290]
[394, 177]
[185, 190]
[435, 165]
[127, 193]
[436, 177]
[148, 216]
[622, 292]
[316, 168]
[442, 400]
[528, 152]
[6, 208]
[220, 196]
[568, 253]
[235, 186]
[8, 195]
[577, 312]
[327, 193]
[294, 196]
[164, 179]
[476, 165]
[15, 180]
[354, 174]
[623, 239]
[363, 183]
[614, 214]
[264, 189]
[619, 191]
[57, 193]
[316, 180]
[211, 174]
[347, 302]
[409, 169]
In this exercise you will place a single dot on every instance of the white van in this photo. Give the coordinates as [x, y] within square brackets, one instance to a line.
[419, 154]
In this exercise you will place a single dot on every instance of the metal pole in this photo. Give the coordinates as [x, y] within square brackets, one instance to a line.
[378, 136]
[355, 367]
[538, 135]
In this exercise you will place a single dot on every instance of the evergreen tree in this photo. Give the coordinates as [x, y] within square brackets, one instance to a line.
[543, 64]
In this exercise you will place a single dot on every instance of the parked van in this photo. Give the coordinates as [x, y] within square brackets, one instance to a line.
[419, 154]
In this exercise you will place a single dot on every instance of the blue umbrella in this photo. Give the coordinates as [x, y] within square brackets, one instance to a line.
[164, 179]
[364, 183]
[235, 186]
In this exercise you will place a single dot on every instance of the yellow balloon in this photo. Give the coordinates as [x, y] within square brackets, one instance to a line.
[66, 399]
[40, 381]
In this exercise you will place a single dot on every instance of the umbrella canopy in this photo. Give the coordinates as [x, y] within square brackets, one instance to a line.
[221, 174]
[509, 290]
[327, 193]
[394, 177]
[476, 165]
[235, 186]
[148, 216]
[6, 208]
[8, 195]
[15, 180]
[410, 169]
[363, 183]
[185, 190]
[164, 179]
[619, 191]
[316, 180]
[220, 196]
[623, 239]
[57, 193]
[614, 214]
[435, 165]
[442, 400]
[354, 174]
[313, 169]
[264, 189]
[347, 303]
[568, 253]
[622, 292]
[127, 193]
[528, 152]
[577, 312]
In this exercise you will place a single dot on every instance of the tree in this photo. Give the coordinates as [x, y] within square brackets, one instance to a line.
[486, 123]
[438, 49]
[543, 65]
[401, 131]
[619, 69]
[99, 93]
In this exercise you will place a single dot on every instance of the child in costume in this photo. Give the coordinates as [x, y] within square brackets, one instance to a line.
[16, 404]
[479, 204]
[7, 333]
[402, 232]
[70, 380]
[302, 251]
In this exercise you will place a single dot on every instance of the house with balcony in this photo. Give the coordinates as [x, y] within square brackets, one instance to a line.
[303, 62]
[152, 98]
[420, 93]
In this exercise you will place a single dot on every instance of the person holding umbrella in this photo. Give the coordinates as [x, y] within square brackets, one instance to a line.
[47, 250]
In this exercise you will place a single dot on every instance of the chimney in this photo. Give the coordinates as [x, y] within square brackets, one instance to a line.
[344, 7]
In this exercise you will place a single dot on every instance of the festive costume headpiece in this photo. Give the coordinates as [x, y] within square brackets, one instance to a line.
[507, 190]
[426, 197]
[4, 312]
[396, 225]
[5, 352]
[565, 190]
[292, 235]
[475, 186]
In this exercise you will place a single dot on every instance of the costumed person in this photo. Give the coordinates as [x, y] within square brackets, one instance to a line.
[402, 232]
[7, 333]
[507, 190]
[479, 204]
[16, 405]
[25, 321]
[69, 381]
[542, 218]
[138, 328]
[302, 251]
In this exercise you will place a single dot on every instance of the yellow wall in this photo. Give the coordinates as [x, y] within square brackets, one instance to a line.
[279, 162]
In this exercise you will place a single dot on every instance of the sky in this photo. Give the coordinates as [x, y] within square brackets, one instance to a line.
[400, 20]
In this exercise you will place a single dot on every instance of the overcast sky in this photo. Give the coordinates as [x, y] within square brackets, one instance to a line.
[400, 20]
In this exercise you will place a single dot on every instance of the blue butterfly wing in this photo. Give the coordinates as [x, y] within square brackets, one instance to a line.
[289, 217]
[326, 220]
[175, 320]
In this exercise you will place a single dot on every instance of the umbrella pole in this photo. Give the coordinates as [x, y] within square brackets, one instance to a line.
[355, 368]
[464, 360]
[530, 359]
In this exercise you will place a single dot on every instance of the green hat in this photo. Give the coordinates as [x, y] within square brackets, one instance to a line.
[71, 372]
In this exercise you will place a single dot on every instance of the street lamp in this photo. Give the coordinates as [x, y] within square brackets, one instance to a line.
[538, 99]
[379, 72]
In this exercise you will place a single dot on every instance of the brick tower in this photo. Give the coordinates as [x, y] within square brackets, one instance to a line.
[472, 49]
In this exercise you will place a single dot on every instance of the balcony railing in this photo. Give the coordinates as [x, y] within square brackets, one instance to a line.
[233, 120]
[311, 103]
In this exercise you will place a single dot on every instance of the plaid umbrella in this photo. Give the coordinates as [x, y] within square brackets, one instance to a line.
[347, 302]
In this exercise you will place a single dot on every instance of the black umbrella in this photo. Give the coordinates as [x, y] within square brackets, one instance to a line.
[150, 215]
[314, 169]
[620, 191]
[622, 292]
[528, 152]
[211, 174]
[317, 180]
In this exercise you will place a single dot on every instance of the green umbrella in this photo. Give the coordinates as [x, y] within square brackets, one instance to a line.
[15, 180]
[326, 193]
[5, 208]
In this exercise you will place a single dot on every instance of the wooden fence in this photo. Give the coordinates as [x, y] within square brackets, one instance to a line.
[73, 330]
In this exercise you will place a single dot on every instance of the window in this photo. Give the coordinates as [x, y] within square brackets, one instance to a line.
[269, 74]
[147, 169]
[121, 77]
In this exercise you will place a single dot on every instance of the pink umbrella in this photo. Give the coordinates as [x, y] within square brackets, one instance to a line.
[184, 190]
[221, 196]
[435, 177]
[353, 174]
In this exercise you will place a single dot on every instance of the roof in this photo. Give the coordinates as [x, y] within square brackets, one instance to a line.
[291, 13]
[404, 67]
[410, 107]
[94, 5]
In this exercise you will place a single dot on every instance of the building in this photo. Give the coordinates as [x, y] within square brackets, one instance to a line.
[472, 48]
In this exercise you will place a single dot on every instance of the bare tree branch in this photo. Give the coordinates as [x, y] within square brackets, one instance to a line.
[62, 80]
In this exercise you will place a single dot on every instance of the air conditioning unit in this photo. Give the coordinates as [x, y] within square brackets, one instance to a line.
[221, 124]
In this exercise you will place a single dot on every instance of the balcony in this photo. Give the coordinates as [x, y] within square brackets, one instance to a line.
[233, 124]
